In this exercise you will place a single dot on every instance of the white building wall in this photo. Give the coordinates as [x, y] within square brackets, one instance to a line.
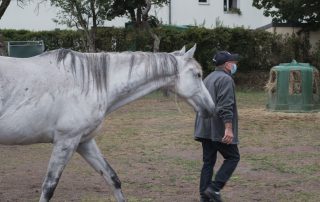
[314, 36]
[184, 12]
[191, 12]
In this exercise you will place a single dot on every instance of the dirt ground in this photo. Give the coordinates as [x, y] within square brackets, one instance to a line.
[150, 145]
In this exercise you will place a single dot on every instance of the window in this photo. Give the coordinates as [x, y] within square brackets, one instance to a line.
[315, 82]
[203, 1]
[271, 86]
[231, 6]
[295, 81]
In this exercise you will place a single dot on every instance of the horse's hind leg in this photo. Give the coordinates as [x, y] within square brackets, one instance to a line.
[61, 154]
[91, 153]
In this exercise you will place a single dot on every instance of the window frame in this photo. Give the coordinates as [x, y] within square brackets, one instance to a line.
[226, 7]
[204, 3]
[315, 82]
[295, 82]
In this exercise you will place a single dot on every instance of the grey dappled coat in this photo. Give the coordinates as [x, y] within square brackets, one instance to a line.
[222, 90]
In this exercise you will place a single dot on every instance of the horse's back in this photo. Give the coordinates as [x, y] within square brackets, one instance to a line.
[25, 98]
[39, 99]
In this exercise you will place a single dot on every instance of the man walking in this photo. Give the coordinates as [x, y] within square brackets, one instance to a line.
[220, 132]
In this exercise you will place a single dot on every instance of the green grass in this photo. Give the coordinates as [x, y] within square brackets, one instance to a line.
[152, 130]
[251, 99]
[285, 163]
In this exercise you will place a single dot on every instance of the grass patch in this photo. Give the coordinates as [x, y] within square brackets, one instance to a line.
[150, 145]
[285, 163]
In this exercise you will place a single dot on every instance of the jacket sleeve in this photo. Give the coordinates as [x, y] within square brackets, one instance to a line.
[225, 99]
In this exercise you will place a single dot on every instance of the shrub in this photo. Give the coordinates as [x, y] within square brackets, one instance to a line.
[259, 50]
[315, 56]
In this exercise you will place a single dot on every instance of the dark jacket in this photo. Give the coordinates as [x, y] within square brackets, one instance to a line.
[222, 90]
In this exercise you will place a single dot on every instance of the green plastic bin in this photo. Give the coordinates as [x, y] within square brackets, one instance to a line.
[25, 49]
[293, 87]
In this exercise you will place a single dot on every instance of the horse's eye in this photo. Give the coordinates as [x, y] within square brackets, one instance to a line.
[199, 75]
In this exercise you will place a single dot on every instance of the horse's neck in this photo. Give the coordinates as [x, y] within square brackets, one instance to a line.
[135, 92]
[127, 85]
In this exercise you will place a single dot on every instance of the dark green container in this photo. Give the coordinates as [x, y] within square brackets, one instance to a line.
[25, 49]
[293, 87]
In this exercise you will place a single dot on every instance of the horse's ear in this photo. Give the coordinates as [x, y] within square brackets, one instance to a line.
[190, 52]
[180, 52]
[183, 50]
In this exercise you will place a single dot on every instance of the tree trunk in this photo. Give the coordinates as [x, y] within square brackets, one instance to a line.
[139, 17]
[132, 16]
[84, 25]
[93, 31]
[3, 7]
[156, 39]
[2, 46]
[91, 43]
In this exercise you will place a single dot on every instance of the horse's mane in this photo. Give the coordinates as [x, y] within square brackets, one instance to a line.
[96, 66]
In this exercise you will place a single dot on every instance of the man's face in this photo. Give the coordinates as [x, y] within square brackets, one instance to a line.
[229, 64]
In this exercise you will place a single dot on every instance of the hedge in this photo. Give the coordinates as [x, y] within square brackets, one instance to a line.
[259, 50]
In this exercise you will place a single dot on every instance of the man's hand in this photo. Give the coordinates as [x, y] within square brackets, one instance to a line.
[228, 134]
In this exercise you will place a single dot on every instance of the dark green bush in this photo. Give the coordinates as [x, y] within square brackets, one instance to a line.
[259, 50]
[52, 39]
[315, 56]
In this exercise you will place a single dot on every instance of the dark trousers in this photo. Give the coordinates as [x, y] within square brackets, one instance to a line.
[231, 157]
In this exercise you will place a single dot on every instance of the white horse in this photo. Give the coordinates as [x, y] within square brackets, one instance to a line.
[62, 97]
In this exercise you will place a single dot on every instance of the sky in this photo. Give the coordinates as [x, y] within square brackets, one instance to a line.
[29, 17]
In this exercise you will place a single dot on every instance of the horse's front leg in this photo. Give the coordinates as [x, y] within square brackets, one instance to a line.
[61, 154]
[91, 153]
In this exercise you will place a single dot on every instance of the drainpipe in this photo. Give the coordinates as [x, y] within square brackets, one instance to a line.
[170, 15]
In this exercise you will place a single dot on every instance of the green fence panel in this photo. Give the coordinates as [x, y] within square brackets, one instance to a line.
[25, 49]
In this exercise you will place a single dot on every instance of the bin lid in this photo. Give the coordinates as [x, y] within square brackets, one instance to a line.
[294, 65]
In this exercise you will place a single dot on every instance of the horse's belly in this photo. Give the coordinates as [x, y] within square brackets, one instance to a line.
[9, 138]
[25, 127]
[23, 135]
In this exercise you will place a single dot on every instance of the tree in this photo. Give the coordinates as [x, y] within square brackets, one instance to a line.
[132, 9]
[85, 15]
[138, 13]
[305, 12]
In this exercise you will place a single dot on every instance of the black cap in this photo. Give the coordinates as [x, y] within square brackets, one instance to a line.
[224, 56]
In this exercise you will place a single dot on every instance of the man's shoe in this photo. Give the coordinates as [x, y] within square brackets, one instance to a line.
[205, 199]
[215, 196]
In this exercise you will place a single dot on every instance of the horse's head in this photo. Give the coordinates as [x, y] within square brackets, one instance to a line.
[189, 85]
